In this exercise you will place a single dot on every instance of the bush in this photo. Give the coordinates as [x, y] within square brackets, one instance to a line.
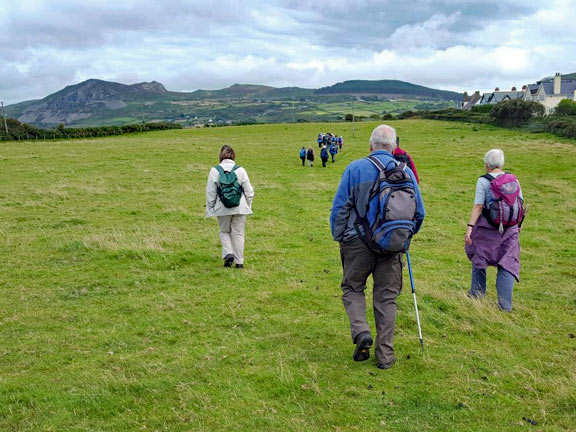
[515, 112]
[482, 108]
[23, 131]
[453, 114]
[566, 107]
[561, 126]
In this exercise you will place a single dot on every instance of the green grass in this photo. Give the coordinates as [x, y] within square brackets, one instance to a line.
[269, 111]
[116, 313]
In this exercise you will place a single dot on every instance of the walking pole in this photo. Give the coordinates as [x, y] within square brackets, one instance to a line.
[415, 302]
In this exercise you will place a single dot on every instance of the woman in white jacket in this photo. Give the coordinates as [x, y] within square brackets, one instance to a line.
[232, 220]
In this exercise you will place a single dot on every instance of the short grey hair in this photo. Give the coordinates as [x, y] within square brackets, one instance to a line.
[494, 159]
[383, 137]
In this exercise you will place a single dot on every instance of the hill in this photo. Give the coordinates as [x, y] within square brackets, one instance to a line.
[80, 101]
[564, 76]
[390, 88]
[102, 103]
[117, 314]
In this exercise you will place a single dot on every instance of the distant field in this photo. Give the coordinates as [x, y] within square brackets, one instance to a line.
[191, 112]
[116, 313]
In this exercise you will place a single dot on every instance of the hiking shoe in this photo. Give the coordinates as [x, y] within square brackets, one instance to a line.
[387, 365]
[363, 343]
[239, 266]
[228, 260]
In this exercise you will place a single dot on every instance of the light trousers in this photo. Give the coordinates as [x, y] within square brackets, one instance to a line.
[232, 230]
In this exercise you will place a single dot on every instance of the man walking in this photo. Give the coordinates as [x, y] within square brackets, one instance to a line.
[359, 260]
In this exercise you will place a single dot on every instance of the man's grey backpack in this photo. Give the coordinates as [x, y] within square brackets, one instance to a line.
[229, 190]
[389, 220]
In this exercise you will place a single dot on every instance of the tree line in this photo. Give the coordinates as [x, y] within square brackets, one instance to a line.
[18, 131]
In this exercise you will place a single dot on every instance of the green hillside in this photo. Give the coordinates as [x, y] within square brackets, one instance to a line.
[389, 87]
[102, 103]
[116, 313]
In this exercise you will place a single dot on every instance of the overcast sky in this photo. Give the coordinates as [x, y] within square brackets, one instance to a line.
[191, 44]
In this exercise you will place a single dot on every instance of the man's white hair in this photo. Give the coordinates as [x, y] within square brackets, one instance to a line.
[494, 159]
[383, 137]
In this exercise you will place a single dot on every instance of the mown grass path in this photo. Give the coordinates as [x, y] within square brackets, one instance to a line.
[116, 313]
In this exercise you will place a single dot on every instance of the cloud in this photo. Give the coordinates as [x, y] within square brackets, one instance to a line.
[189, 44]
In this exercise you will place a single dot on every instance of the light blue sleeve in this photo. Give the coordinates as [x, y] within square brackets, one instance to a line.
[482, 187]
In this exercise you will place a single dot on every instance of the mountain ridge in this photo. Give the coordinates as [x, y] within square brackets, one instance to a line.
[96, 101]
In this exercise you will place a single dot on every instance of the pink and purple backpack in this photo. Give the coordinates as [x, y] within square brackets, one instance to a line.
[505, 207]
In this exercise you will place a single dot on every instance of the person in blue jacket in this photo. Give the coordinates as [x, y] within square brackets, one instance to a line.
[303, 155]
[333, 151]
[324, 156]
[358, 261]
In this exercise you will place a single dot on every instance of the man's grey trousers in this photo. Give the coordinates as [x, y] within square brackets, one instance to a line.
[359, 262]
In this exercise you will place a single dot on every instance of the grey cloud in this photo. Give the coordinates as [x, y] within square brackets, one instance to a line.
[210, 44]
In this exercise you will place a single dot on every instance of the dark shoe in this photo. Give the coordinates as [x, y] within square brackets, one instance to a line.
[363, 343]
[239, 266]
[385, 365]
[228, 260]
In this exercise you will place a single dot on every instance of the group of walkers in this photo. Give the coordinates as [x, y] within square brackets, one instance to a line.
[377, 209]
[330, 145]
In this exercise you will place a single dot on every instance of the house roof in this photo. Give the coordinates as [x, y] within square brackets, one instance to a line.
[567, 87]
[502, 95]
[485, 99]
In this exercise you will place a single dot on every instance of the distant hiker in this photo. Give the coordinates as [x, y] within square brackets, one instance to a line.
[324, 156]
[492, 236]
[364, 253]
[229, 196]
[333, 151]
[320, 139]
[310, 156]
[327, 138]
[303, 155]
[402, 156]
[340, 143]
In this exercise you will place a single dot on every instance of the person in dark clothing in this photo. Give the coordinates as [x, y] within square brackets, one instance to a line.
[333, 151]
[324, 156]
[359, 261]
[303, 155]
[310, 156]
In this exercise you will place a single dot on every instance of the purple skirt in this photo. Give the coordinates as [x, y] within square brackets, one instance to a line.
[490, 248]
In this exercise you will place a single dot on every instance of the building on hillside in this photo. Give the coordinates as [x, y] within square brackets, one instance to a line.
[548, 92]
[551, 92]
[500, 96]
[469, 101]
[530, 91]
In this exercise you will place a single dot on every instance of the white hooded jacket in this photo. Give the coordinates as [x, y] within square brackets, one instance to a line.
[214, 206]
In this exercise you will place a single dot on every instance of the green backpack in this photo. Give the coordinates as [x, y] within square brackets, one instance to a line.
[229, 190]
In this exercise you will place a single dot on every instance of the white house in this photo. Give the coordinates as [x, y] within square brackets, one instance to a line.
[550, 93]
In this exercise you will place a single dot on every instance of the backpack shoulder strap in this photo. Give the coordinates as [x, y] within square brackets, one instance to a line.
[235, 168]
[219, 169]
[379, 165]
[488, 177]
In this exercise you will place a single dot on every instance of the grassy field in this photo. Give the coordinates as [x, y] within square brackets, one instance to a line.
[116, 313]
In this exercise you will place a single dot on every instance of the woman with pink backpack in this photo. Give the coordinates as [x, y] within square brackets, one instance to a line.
[492, 235]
